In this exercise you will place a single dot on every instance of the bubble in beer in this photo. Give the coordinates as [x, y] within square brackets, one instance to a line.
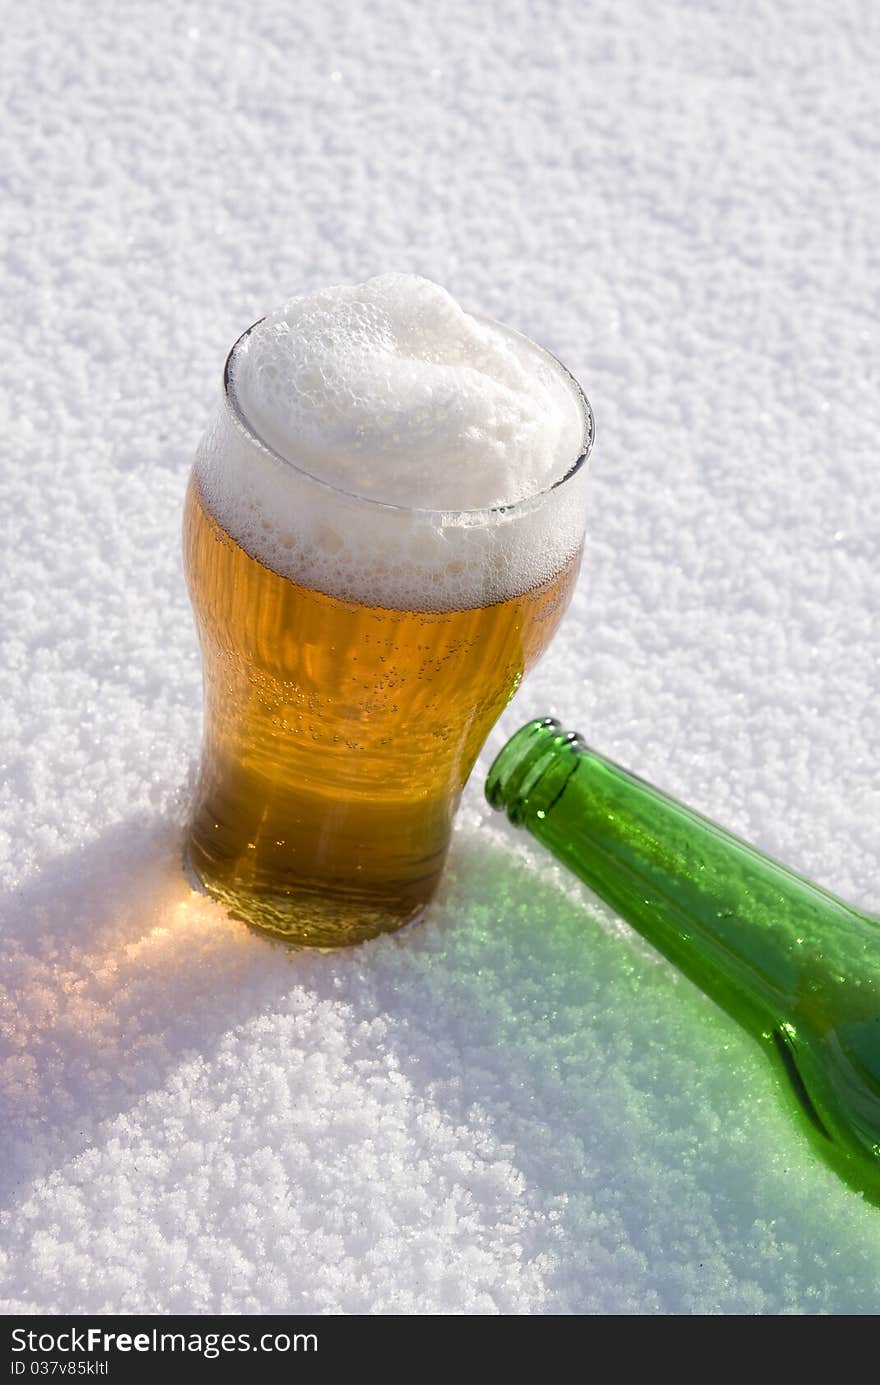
[381, 444]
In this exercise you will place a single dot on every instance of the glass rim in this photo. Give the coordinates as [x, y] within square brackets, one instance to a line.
[526, 502]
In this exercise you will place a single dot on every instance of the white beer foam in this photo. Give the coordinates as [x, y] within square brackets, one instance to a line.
[381, 444]
[390, 390]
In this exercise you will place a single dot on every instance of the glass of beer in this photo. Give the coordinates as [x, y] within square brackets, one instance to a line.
[356, 654]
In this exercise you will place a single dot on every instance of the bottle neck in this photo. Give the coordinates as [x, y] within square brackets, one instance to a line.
[737, 922]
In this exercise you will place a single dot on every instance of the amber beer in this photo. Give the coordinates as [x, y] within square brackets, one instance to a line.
[340, 723]
[339, 736]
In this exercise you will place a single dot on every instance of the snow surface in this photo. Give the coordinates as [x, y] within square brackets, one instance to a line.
[515, 1107]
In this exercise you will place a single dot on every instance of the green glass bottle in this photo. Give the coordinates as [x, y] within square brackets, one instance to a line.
[797, 967]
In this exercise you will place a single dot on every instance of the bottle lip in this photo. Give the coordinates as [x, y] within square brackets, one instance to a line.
[520, 765]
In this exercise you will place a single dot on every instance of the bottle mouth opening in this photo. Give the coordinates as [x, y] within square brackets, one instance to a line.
[520, 765]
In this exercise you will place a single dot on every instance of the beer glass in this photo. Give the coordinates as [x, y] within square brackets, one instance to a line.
[355, 657]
